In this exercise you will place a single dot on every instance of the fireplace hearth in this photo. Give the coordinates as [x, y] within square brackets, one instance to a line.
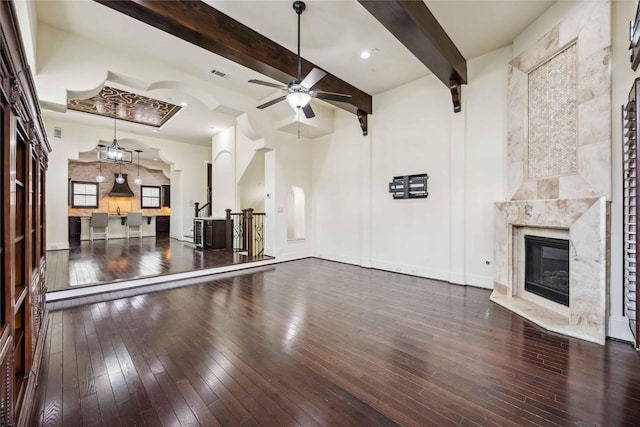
[547, 268]
[583, 223]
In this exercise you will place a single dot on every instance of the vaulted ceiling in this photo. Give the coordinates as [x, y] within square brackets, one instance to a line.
[333, 35]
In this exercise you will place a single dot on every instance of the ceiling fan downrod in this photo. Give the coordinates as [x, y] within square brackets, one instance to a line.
[299, 91]
[299, 7]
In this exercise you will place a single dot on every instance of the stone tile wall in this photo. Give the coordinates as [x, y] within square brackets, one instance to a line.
[559, 168]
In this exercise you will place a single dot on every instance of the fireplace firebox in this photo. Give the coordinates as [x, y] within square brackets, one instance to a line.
[547, 268]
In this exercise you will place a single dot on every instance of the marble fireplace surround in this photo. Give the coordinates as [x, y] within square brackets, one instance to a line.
[559, 168]
[586, 222]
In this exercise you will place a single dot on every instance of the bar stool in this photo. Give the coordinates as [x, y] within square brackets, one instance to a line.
[99, 220]
[134, 219]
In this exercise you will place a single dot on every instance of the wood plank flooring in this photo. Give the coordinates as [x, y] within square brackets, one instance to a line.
[317, 343]
[102, 261]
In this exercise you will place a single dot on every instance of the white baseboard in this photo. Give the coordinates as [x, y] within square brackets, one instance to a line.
[457, 278]
[341, 258]
[619, 328]
[412, 270]
[485, 282]
[292, 255]
[57, 246]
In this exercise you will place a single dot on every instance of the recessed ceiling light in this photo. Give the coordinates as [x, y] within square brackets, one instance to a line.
[184, 104]
[366, 53]
[155, 158]
[155, 131]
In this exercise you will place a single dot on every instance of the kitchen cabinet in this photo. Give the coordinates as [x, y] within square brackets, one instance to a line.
[75, 228]
[215, 233]
[162, 226]
[166, 196]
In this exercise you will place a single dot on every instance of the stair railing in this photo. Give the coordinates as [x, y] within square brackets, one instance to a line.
[245, 232]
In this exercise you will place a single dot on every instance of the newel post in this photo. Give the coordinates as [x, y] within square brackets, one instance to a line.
[229, 230]
[249, 223]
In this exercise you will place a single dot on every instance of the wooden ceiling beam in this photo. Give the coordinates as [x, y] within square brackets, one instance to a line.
[200, 24]
[413, 24]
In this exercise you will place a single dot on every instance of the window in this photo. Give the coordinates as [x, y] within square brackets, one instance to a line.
[84, 194]
[150, 196]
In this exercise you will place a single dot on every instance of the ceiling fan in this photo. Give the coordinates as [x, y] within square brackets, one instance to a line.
[299, 90]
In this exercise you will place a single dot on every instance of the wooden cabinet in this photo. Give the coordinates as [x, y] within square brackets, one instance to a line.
[630, 199]
[215, 233]
[75, 228]
[23, 162]
[162, 226]
[166, 196]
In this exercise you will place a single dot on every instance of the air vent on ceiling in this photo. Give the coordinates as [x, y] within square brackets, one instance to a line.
[219, 73]
[57, 132]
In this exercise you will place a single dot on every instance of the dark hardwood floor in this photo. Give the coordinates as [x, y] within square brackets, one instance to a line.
[102, 261]
[313, 342]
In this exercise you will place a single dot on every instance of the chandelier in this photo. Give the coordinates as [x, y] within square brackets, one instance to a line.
[114, 153]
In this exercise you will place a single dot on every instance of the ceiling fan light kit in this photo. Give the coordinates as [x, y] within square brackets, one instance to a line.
[298, 99]
[299, 90]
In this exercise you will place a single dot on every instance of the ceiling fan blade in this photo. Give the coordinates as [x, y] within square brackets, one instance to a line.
[312, 78]
[273, 101]
[260, 82]
[308, 111]
[330, 96]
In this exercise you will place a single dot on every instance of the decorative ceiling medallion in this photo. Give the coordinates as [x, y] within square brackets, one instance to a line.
[130, 107]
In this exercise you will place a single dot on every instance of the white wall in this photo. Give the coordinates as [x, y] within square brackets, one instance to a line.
[224, 172]
[176, 225]
[288, 164]
[250, 187]
[249, 166]
[63, 149]
[484, 100]
[340, 176]
[622, 79]
[188, 158]
[411, 135]
[447, 236]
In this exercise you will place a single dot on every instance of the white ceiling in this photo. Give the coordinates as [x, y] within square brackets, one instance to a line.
[333, 34]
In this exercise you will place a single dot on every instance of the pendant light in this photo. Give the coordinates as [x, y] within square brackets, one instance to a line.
[114, 153]
[120, 178]
[138, 180]
[100, 177]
